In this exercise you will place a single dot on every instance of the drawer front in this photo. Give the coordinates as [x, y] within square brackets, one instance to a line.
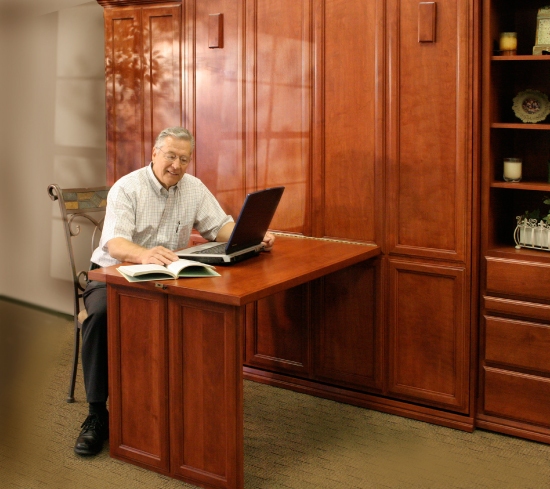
[517, 343]
[511, 307]
[518, 278]
[518, 397]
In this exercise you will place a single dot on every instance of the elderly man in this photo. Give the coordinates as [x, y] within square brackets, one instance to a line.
[150, 213]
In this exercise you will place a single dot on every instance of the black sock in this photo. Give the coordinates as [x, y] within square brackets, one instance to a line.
[99, 408]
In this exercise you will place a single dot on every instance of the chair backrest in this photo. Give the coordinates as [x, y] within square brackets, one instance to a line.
[80, 207]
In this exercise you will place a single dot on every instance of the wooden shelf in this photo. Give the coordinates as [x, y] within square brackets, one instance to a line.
[520, 125]
[524, 254]
[522, 57]
[537, 186]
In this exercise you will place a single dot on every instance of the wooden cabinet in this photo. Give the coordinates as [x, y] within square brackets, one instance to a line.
[363, 111]
[514, 378]
[413, 165]
[161, 384]
[515, 336]
[429, 203]
[515, 372]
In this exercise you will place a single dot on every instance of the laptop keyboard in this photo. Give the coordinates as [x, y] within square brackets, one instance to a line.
[220, 249]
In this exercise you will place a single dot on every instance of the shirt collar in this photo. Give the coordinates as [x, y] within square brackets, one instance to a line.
[156, 184]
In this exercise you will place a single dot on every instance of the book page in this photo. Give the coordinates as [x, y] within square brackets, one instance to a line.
[177, 266]
[135, 270]
[145, 278]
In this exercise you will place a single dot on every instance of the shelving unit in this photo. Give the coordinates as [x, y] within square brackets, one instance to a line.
[514, 374]
[503, 134]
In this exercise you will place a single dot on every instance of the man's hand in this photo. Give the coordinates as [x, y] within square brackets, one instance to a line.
[268, 241]
[124, 250]
[158, 255]
[227, 229]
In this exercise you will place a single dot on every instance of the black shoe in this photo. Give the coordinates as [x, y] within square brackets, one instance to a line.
[95, 431]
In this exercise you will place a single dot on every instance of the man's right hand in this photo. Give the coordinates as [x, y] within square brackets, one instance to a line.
[158, 255]
[126, 251]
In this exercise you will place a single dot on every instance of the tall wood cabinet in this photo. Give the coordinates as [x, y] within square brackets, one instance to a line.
[364, 111]
[429, 165]
[514, 377]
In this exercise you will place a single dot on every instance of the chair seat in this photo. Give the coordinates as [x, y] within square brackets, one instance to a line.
[82, 315]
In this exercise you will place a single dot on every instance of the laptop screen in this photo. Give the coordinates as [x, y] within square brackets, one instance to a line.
[254, 219]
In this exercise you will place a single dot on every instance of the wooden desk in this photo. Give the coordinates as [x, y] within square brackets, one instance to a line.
[175, 358]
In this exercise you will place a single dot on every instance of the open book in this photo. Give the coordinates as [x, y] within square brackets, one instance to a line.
[176, 269]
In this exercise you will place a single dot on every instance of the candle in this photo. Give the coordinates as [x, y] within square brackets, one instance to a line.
[512, 169]
[508, 42]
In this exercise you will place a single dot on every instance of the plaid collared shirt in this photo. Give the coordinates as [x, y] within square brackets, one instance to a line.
[142, 211]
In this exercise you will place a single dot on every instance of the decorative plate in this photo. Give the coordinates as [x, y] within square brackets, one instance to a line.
[531, 106]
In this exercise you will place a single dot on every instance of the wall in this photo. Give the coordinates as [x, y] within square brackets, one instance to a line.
[53, 130]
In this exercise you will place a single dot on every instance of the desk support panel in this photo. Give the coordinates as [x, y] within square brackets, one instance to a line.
[138, 377]
[176, 386]
[206, 414]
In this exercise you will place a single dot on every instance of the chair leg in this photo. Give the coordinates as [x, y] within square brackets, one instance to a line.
[70, 397]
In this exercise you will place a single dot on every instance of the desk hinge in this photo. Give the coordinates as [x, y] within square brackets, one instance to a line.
[161, 286]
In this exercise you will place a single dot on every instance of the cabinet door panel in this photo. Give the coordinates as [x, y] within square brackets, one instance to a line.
[429, 138]
[123, 92]
[277, 332]
[348, 337]
[215, 106]
[138, 377]
[279, 105]
[428, 334]
[353, 107]
[161, 72]
[206, 392]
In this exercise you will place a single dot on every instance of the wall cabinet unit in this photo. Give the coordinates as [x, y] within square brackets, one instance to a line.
[363, 111]
[515, 327]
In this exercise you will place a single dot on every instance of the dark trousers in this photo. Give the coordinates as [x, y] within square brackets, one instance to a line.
[94, 342]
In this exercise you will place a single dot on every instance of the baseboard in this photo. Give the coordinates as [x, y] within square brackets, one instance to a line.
[35, 307]
[368, 401]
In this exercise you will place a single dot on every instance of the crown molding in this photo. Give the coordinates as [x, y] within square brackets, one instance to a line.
[133, 3]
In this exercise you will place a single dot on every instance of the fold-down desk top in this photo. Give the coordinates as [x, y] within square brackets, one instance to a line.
[293, 261]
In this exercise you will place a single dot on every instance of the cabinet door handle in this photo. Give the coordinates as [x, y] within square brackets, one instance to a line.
[215, 31]
[426, 21]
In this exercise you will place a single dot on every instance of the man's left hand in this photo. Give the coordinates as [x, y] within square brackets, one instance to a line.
[268, 241]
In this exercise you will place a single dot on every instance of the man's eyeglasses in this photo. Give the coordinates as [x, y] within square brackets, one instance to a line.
[172, 157]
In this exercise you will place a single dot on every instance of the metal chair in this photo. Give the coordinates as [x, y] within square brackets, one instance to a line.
[79, 207]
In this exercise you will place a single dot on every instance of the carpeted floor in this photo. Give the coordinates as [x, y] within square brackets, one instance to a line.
[292, 440]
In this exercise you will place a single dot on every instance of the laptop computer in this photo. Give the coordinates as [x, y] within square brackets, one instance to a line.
[247, 236]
